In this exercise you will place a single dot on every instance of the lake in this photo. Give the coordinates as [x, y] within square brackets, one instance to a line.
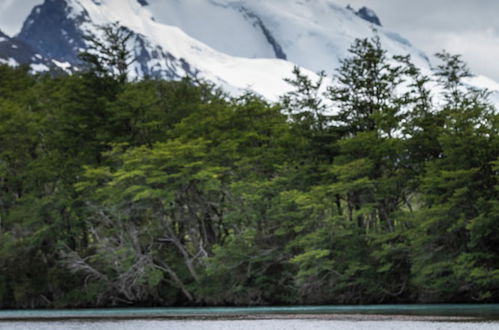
[379, 317]
[249, 325]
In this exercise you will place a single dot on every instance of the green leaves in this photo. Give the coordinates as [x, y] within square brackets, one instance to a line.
[171, 193]
[109, 55]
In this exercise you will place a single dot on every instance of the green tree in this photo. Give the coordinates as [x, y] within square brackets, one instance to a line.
[370, 110]
[108, 52]
[457, 191]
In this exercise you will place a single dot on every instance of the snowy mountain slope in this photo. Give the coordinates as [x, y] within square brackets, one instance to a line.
[314, 34]
[238, 44]
[223, 27]
[164, 51]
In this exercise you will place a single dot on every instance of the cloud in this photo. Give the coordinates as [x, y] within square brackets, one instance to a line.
[5, 4]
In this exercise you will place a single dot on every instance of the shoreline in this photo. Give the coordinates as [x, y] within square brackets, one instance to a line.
[247, 317]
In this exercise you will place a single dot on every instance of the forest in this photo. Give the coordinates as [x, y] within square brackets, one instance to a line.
[380, 188]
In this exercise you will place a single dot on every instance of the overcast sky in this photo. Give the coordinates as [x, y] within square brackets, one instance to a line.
[13, 13]
[467, 27]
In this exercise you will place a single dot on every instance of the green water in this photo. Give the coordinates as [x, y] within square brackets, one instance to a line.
[489, 311]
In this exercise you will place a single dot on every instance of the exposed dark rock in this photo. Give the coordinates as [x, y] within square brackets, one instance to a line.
[14, 51]
[369, 15]
[53, 29]
[366, 14]
[257, 21]
[279, 52]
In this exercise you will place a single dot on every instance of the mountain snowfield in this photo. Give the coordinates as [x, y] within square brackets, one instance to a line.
[226, 41]
[237, 44]
[314, 34]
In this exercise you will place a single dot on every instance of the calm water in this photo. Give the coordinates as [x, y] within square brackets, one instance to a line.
[488, 311]
[484, 317]
[249, 325]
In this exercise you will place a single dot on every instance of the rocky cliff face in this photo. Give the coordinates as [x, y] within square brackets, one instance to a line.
[16, 52]
[53, 29]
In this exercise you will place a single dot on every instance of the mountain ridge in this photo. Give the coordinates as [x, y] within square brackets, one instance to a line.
[239, 45]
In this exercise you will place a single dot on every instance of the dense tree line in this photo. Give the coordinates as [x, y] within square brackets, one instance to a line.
[171, 193]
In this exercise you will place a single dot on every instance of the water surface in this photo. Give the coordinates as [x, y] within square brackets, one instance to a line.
[249, 325]
[483, 311]
[376, 317]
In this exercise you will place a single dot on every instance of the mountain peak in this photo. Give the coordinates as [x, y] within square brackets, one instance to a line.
[53, 29]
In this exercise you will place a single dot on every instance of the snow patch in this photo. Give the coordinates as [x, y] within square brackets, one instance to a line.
[483, 82]
[75, 10]
[66, 66]
[10, 62]
[38, 68]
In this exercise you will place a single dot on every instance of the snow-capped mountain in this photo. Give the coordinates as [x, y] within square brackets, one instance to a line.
[238, 44]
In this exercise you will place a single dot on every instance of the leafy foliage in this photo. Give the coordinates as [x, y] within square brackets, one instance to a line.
[146, 193]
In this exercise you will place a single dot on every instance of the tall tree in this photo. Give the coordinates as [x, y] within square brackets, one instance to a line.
[370, 109]
[109, 53]
[458, 190]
